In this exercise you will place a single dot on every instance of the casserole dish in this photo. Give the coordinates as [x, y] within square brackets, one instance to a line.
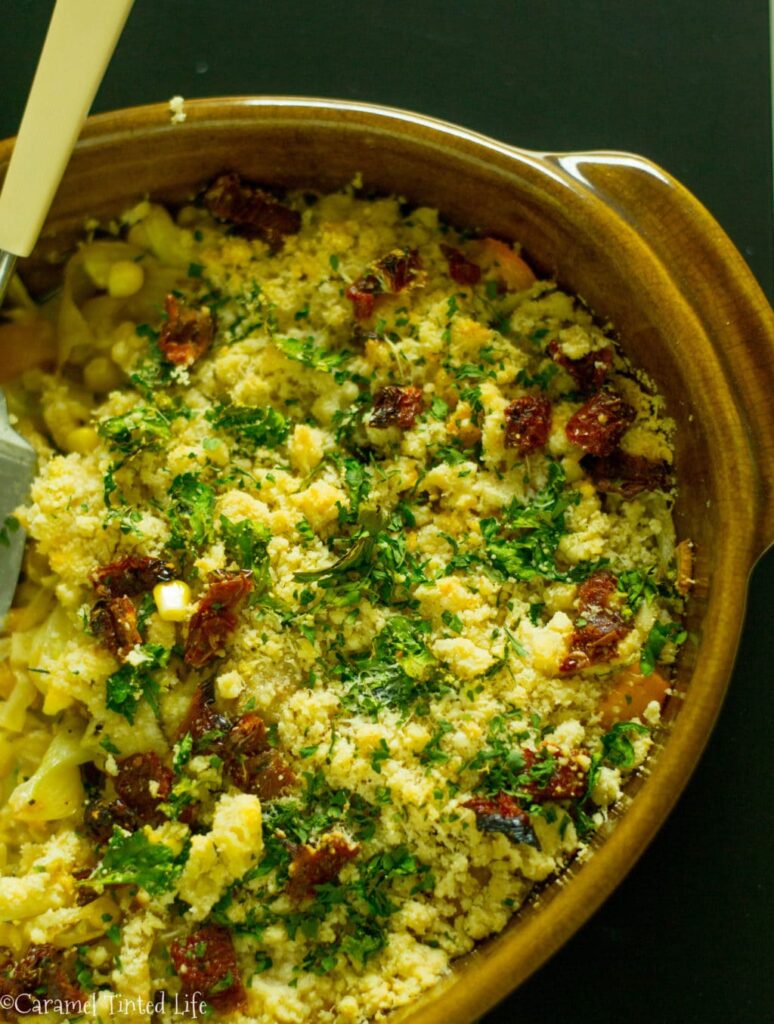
[630, 241]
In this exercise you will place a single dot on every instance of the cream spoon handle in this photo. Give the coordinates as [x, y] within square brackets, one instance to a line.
[79, 43]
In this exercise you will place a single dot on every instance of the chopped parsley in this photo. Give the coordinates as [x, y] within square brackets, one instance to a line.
[400, 673]
[380, 753]
[262, 425]
[141, 428]
[377, 564]
[190, 512]
[523, 545]
[660, 634]
[307, 351]
[247, 543]
[132, 683]
[131, 858]
[541, 379]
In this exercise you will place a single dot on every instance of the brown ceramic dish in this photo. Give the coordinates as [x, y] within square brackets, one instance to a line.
[640, 250]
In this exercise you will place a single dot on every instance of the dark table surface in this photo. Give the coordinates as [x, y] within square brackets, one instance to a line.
[687, 936]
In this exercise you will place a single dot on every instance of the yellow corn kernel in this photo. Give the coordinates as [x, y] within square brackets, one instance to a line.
[173, 600]
[125, 278]
[102, 375]
[82, 440]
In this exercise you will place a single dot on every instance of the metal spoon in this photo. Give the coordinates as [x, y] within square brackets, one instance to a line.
[80, 41]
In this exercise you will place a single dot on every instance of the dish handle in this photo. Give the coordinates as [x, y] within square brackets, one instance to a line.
[712, 274]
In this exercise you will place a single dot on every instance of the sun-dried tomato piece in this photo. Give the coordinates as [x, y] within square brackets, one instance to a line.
[502, 813]
[588, 372]
[597, 591]
[267, 775]
[396, 405]
[187, 332]
[503, 804]
[114, 622]
[399, 269]
[313, 866]
[248, 736]
[250, 761]
[569, 778]
[44, 972]
[254, 212]
[527, 424]
[208, 726]
[207, 966]
[393, 273]
[100, 816]
[599, 625]
[363, 294]
[131, 576]
[143, 782]
[627, 475]
[92, 778]
[461, 270]
[84, 895]
[600, 424]
[216, 617]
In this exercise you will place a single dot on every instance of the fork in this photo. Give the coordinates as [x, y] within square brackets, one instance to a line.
[79, 43]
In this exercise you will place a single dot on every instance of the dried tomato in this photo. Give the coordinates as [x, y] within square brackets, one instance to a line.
[92, 778]
[131, 576]
[248, 737]
[568, 780]
[599, 626]
[393, 273]
[207, 966]
[84, 895]
[588, 372]
[502, 813]
[627, 475]
[396, 405]
[600, 424]
[313, 866]
[597, 591]
[216, 617]
[267, 775]
[503, 804]
[363, 294]
[250, 761]
[187, 332]
[208, 726]
[100, 817]
[527, 424]
[143, 782]
[44, 973]
[253, 211]
[114, 622]
[461, 270]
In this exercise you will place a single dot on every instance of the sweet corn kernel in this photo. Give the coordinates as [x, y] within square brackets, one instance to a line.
[82, 440]
[101, 374]
[173, 600]
[125, 278]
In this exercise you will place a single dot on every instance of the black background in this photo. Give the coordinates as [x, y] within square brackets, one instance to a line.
[687, 936]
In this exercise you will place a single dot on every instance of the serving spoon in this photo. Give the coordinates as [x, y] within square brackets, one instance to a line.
[79, 43]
